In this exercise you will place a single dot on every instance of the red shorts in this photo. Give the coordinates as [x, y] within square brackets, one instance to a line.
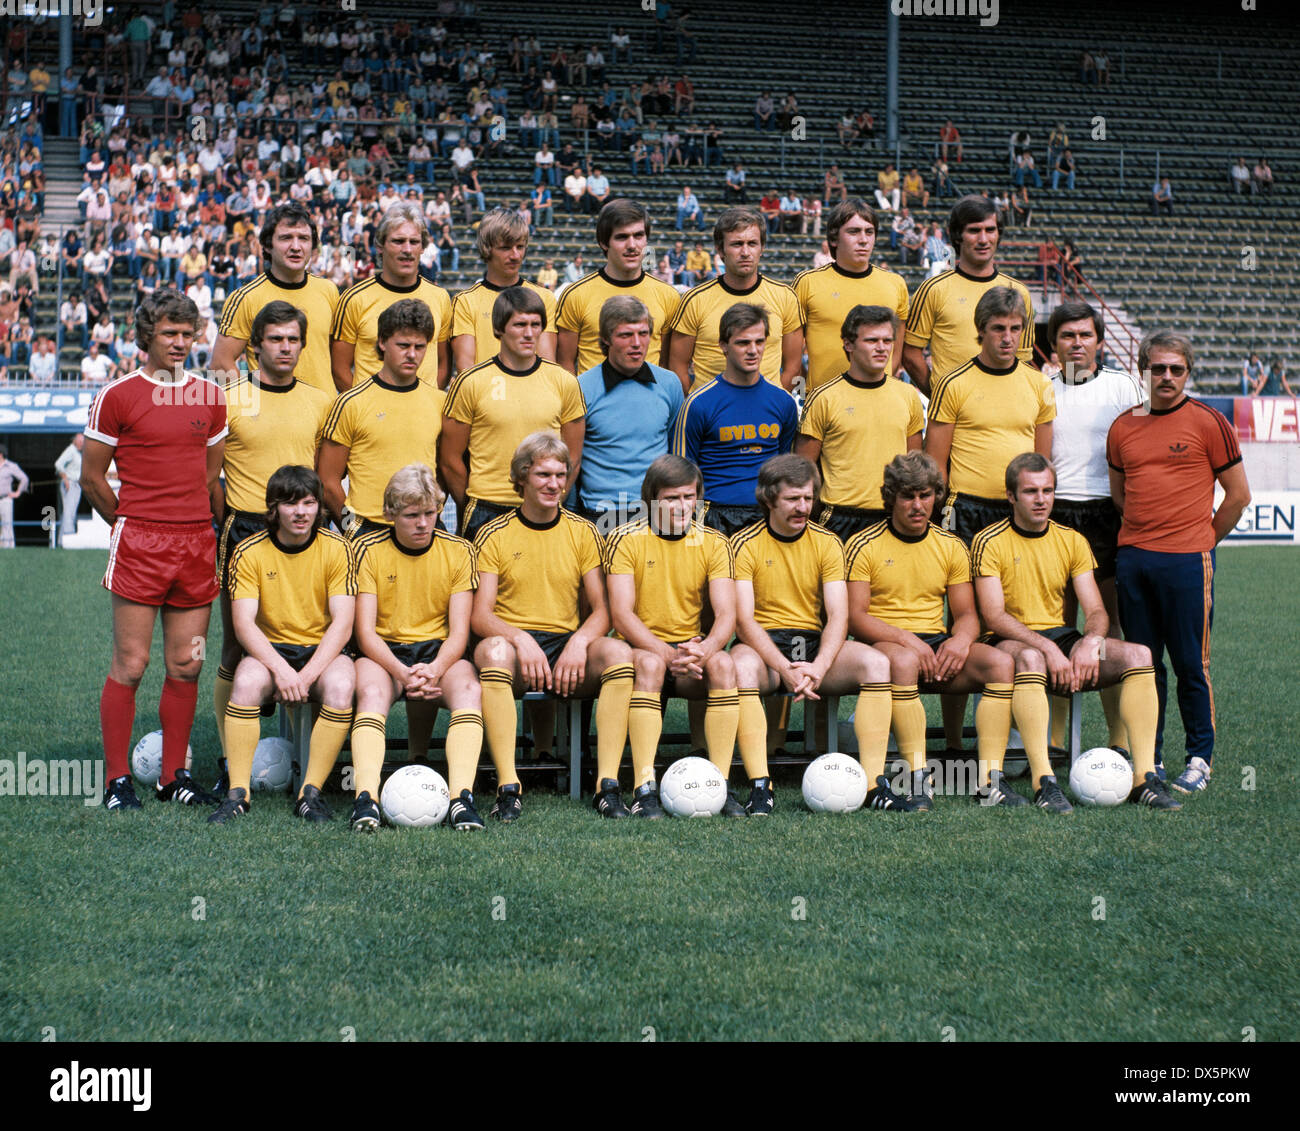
[163, 563]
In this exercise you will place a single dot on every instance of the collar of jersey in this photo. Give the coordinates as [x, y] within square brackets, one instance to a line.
[414, 553]
[293, 549]
[519, 282]
[865, 384]
[612, 377]
[976, 278]
[252, 380]
[154, 380]
[995, 372]
[787, 538]
[620, 282]
[394, 287]
[913, 538]
[1029, 533]
[539, 525]
[282, 284]
[1173, 408]
[671, 537]
[536, 365]
[395, 388]
[758, 282]
[852, 274]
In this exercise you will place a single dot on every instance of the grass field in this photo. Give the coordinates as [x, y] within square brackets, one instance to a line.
[563, 926]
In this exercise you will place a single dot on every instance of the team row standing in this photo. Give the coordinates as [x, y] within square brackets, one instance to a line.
[725, 436]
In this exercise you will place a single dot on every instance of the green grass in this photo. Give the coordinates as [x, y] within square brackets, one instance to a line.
[978, 919]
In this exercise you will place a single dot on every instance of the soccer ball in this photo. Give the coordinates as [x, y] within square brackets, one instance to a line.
[146, 758]
[415, 797]
[692, 787]
[834, 783]
[273, 765]
[1101, 777]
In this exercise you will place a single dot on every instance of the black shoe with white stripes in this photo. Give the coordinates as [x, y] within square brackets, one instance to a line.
[608, 801]
[310, 806]
[1050, 796]
[882, 797]
[1154, 794]
[235, 805]
[184, 789]
[365, 813]
[120, 794]
[462, 816]
[645, 802]
[997, 792]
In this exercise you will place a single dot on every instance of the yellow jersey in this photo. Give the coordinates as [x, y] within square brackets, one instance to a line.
[788, 574]
[909, 576]
[1034, 568]
[316, 297]
[413, 588]
[943, 317]
[826, 295]
[356, 320]
[471, 313]
[270, 426]
[578, 311]
[292, 585]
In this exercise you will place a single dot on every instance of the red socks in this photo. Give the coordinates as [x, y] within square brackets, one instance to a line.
[116, 717]
[176, 713]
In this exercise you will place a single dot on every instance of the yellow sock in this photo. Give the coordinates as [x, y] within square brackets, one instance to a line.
[368, 746]
[464, 745]
[871, 721]
[243, 730]
[993, 728]
[908, 719]
[751, 733]
[1139, 707]
[1029, 706]
[1114, 719]
[539, 718]
[777, 721]
[612, 708]
[954, 720]
[1060, 719]
[721, 718]
[220, 700]
[420, 718]
[499, 722]
[695, 716]
[645, 725]
[326, 741]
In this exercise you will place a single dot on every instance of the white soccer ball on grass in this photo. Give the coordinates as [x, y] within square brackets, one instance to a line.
[415, 797]
[1101, 776]
[834, 783]
[692, 787]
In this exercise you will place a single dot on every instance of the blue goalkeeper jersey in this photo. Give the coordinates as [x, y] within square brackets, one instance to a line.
[730, 431]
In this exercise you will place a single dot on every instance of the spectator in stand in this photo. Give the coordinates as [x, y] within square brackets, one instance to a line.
[789, 111]
[540, 205]
[949, 136]
[1253, 374]
[939, 255]
[1025, 172]
[1262, 177]
[699, 265]
[1022, 210]
[447, 249]
[1067, 267]
[97, 368]
[770, 207]
[597, 190]
[847, 129]
[764, 112]
[914, 191]
[942, 184]
[575, 269]
[548, 277]
[899, 227]
[833, 183]
[575, 192]
[887, 190]
[1239, 176]
[688, 208]
[1162, 198]
[684, 96]
[677, 264]
[1102, 62]
[734, 188]
[638, 156]
[792, 216]
[1064, 168]
[43, 367]
[620, 45]
[1278, 384]
[1087, 69]
[544, 166]
[74, 323]
[823, 257]
[1058, 141]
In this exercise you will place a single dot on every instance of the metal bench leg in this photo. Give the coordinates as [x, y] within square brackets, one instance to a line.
[575, 748]
[295, 725]
[1076, 725]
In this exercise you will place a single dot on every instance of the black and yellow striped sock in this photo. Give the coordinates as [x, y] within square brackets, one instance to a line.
[368, 745]
[464, 745]
[645, 725]
[992, 728]
[908, 718]
[220, 700]
[751, 733]
[326, 741]
[721, 720]
[499, 722]
[243, 730]
[871, 720]
[1032, 715]
[1139, 708]
[612, 708]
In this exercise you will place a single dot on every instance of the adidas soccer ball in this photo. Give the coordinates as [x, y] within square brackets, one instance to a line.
[415, 797]
[273, 765]
[834, 783]
[1101, 777]
[146, 758]
[692, 787]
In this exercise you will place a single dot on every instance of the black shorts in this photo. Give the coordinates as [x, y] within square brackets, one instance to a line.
[787, 640]
[1098, 520]
[238, 526]
[1065, 637]
[934, 639]
[476, 514]
[845, 522]
[966, 515]
[728, 519]
[417, 652]
[551, 643]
